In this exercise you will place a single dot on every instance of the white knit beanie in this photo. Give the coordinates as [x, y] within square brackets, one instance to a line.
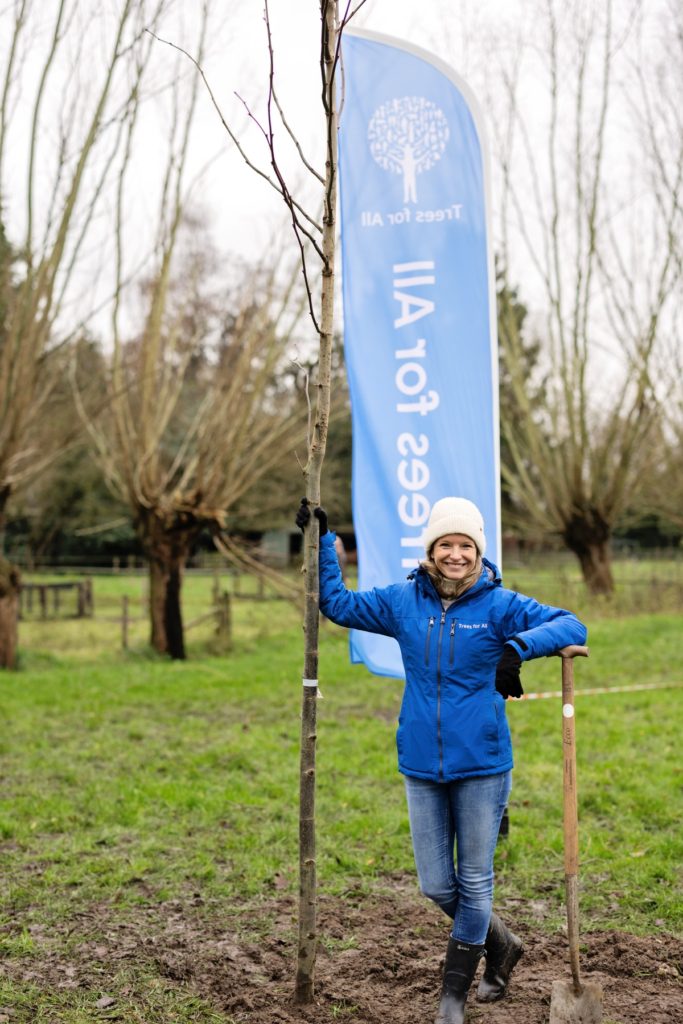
[455, 515]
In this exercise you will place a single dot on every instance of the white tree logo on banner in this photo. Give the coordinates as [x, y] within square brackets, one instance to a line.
[407, 136]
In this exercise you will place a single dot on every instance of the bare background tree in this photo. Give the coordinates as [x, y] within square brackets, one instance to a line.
[601, 254]
[56, 161]
[196, 416]
[661, 124]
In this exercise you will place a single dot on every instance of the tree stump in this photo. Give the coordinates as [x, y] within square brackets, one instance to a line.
[10, 586]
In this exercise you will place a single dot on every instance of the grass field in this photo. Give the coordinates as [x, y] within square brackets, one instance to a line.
[129, 782]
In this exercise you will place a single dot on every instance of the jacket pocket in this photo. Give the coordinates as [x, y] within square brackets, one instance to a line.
[473, 737]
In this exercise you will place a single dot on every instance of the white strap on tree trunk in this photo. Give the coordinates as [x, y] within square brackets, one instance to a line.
[313, 683]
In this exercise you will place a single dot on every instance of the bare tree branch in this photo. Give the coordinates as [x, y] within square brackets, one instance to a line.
[233, 137]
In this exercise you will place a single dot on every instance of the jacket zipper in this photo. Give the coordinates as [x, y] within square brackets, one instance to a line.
[438, 693]
[452, 643]
[429, 633]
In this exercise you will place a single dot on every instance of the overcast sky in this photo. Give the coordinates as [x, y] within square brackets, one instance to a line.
[241, 202]
[242, 210]
[472, 36]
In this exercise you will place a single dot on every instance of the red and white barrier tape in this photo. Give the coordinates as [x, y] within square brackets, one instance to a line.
[601, 689]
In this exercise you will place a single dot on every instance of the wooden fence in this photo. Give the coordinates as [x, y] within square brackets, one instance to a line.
[47, 597]
[75, 599]
[221, 613]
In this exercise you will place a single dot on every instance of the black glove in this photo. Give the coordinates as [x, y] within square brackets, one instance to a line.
[508, 682]
[303, 516]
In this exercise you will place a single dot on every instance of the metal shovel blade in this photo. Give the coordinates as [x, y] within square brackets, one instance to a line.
[566, 1007]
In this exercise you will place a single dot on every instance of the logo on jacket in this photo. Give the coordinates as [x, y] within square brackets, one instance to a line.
[473, 625]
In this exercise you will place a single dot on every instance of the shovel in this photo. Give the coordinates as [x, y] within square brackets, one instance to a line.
[575, 1002]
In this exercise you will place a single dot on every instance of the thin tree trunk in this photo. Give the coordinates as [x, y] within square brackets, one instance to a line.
[305, 974]
[589, 536]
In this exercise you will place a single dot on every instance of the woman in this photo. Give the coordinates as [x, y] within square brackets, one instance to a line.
[463, 638]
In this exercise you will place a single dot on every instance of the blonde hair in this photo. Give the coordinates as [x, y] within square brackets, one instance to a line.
[450, 589]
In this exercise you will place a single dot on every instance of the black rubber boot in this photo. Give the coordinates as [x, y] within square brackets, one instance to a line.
[503, 950]
[459, 970]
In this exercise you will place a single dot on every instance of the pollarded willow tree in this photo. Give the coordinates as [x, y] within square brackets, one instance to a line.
[66, 81]
[664, 474]
[195, 417]
[196, 413]
[597, 241]
[661, 130]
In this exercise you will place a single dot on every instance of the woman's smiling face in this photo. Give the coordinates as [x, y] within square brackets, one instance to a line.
[454, 555]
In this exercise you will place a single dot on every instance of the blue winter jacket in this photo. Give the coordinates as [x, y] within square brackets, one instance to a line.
[452, 723]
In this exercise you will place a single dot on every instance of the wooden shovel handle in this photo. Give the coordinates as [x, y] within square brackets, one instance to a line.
[572, 651]
[571, 828]
[571, 819]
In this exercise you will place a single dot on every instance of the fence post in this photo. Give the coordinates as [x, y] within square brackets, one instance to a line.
[42, 594]
[124, 622]
[224, 621]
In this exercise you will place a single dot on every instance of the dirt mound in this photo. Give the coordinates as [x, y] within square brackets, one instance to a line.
[379, 962]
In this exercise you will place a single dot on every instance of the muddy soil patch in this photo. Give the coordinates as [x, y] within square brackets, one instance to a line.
[379, 961]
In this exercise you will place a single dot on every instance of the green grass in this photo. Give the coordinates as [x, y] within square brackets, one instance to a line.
[98, 637]
[643, 584]
[145, 1001]
[129, 782]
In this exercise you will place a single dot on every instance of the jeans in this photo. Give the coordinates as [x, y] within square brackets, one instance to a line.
[458, 818]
